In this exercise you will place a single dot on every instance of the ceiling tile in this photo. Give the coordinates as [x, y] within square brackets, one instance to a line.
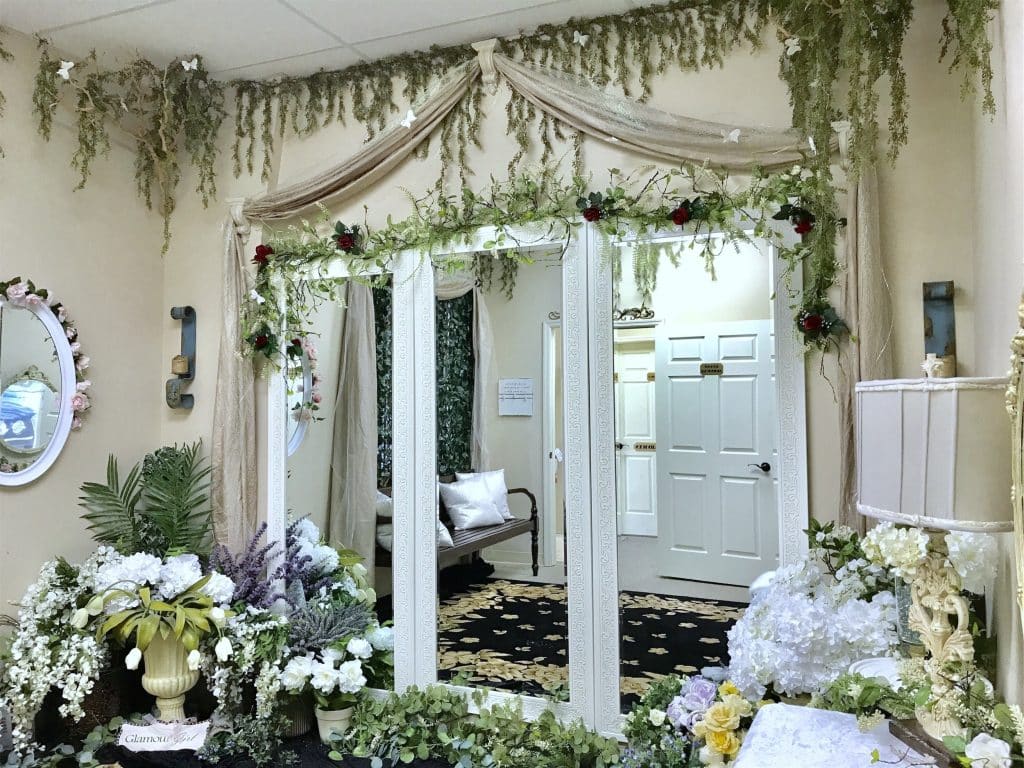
[499, 25]
[229, 33]
[332, 58]
[358, 20]
[30, 16]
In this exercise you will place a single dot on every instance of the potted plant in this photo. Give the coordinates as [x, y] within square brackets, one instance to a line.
[333, 681]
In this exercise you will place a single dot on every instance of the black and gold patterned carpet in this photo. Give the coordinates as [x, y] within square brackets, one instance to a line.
[513, 635]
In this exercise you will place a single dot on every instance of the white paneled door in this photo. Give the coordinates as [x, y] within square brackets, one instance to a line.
[716, 451]
[636, 436]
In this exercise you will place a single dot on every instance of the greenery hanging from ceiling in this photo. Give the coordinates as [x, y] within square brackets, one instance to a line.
[828, 46]
[177, 109]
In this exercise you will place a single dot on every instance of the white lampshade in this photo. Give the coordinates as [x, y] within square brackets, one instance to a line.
[934, 453]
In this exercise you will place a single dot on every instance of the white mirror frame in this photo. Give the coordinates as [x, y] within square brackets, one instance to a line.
[593, 628]
[68, 388]
[302, 425]
[792, 463]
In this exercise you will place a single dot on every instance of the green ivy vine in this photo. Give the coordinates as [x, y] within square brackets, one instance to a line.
[696, 200]
[828, 47]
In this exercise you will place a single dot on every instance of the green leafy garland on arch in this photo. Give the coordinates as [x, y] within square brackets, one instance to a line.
[827, 44]
[696, 199]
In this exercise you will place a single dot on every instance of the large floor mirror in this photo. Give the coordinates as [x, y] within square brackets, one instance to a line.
[339, 414]
[502, 591]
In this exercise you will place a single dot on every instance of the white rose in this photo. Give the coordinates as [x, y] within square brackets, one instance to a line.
[360, 648]
[331, 656]
[657, 718]
[296, 673]
[986, 751]
[350, 677]
[709, 756]
[223, 649]
[324, 677]
[133, 658]
[80, 619]
[193, 660]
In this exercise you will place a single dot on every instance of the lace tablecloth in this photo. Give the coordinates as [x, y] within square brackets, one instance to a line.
[785, 736]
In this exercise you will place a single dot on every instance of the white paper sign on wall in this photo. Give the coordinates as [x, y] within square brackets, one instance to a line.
[163, 737]
[515, 397]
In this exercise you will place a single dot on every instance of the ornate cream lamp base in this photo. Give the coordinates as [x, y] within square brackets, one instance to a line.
[936, 596]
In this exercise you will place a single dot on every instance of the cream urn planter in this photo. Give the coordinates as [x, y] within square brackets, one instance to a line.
[167, 676]
[333, 723]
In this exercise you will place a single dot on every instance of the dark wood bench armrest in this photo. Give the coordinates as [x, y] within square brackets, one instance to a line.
[530, 496]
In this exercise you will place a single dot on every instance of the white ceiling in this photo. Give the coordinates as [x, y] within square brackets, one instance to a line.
[264, 38]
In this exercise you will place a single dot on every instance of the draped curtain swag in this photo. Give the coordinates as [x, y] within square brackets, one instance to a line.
[600, 115]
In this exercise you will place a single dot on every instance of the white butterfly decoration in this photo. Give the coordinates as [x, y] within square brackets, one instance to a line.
[579, 39]
[792, 45]
[65, 70]
[192, 65]
[256, 297]
[731, 136]
[814, 147]
[410, 117]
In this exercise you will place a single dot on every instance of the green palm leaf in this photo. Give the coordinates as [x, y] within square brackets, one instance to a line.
[177, 498]
[111, 509]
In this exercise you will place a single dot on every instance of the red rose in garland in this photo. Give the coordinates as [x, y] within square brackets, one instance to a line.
[592, 213]
[812, 322]
[596, 206]
[261, 341]
[263, 253]
[682, 214]
[346, 238]
[803, 225]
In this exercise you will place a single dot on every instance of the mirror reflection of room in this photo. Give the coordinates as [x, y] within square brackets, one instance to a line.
[29, 386]
[502, 611]
[695, 434]
[339, 402]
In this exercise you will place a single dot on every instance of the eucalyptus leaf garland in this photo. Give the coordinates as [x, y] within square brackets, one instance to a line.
[693, 200]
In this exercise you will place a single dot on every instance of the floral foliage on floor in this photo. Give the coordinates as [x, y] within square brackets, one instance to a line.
[263, 631]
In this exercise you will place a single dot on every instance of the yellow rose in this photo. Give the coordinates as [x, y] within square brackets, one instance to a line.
[737, 704]
[728, 688]
[719, 718]
[725, 742]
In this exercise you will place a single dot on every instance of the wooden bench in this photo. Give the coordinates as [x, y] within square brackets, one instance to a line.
[471, 541]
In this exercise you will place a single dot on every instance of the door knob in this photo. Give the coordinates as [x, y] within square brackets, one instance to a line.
[764, 466]
[619, 446]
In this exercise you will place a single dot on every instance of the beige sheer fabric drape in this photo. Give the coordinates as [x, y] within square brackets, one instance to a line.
[234, 444]
[234, 414]
[352, 515]
[866, 308]
[451, 286]
[607, 117]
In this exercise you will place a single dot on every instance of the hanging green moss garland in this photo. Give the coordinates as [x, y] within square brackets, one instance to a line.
[694, 199]
[5, 55]
[176, 110]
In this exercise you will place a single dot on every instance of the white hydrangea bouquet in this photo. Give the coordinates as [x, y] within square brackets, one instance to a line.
[815, 619]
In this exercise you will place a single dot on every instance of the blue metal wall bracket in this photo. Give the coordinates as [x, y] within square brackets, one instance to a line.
[183, 365]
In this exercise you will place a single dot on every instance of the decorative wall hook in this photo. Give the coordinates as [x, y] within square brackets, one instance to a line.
[183, 365]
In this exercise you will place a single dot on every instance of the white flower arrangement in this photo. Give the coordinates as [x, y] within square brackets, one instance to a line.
[807, 628]
[49, 650]
[332, 684]
[974, 556]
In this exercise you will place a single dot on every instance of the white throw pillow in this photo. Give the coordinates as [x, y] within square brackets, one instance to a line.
[469, 504]
[494, 482]
[385, 536]
[444, 537]
[384, 505]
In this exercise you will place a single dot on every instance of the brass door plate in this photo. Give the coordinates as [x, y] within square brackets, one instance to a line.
[711, 369]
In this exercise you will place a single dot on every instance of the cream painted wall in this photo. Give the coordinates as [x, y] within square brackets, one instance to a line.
[98, 250]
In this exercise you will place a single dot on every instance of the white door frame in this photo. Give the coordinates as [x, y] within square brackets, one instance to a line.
[549, 523]
[792, 462]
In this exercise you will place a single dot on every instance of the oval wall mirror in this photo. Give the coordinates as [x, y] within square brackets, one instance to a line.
[41, 389]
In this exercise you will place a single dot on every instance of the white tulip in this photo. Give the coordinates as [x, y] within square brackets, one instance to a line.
[133, 658]
[80, 619]
[217, 615]
[193, 660]
[223, 649]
